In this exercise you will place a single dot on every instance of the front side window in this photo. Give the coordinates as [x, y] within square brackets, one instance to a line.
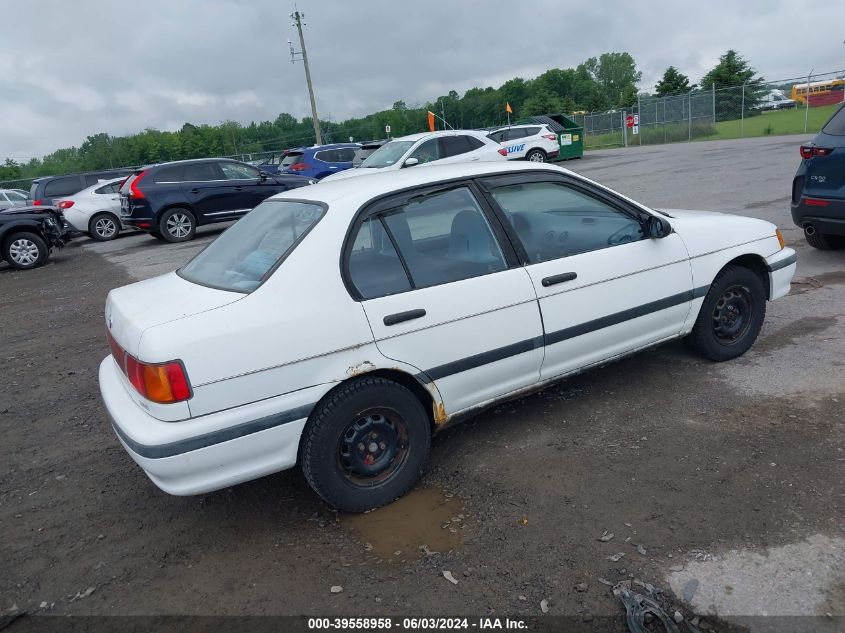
[292, 159]
[234, 171]
[168, 174]
[427, 152]
[247, 253]
[553, 220]
[14, 196]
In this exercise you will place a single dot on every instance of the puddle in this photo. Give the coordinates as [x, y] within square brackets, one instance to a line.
[407, 524]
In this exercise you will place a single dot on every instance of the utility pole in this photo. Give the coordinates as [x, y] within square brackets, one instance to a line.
[297, 17]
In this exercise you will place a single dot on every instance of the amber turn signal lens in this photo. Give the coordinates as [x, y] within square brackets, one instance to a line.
[779, 235]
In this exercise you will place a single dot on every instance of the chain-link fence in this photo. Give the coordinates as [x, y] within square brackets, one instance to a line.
[788, 106]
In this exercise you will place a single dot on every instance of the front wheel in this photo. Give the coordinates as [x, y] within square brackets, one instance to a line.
[365, 444]
[731, 315]
[103, 227]
[177, 225]
[25, 250]
[536, 156]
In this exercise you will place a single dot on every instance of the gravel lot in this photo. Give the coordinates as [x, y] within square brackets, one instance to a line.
[730, 476]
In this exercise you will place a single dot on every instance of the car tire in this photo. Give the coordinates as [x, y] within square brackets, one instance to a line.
[103, 227]
[731, 315]
[24, 250]
[536, 156]
[824, 242]
[365, 444]
[177, 225]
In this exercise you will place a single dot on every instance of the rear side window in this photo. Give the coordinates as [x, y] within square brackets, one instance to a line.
[532, 131]
[202, 172]
[443, 238]
[836, 125]
[455, 145]
[168, 174]
[62, 186]
[14, 196]
[374, 266]
[245, 255]
[111, 188]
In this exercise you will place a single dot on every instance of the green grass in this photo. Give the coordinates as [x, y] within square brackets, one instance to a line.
[767, 123]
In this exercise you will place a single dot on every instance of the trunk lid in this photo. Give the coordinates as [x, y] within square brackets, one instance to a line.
[133, 309]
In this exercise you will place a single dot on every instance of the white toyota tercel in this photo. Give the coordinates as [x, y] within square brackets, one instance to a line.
[340, 325]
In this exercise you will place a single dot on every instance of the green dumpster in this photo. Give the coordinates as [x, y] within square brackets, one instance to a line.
[570, 135]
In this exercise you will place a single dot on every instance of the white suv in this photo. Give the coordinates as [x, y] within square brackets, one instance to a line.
[428, 148]
[536, 143]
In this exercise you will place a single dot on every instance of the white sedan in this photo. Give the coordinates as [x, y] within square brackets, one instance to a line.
[342, 324]
[95, 210]
[428, 148]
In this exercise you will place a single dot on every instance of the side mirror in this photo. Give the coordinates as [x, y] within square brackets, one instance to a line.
[410, 162]
[657, 228]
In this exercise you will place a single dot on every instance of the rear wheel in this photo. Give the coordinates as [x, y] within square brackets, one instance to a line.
[822, 241]
[731, 315]
[177, 225]
[365, 444]
[25, 250]
[103, 227]
[536, 156]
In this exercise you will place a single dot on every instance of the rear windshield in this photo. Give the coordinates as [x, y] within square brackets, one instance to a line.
[248, 252]
[836, 125]
[292, 159]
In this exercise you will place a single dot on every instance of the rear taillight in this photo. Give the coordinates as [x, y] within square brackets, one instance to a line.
[298, 167]
[503, 151]
[164, 383]
[808, 151]
[551, 137]
[37, 203]
[134, 192]
[65, 204]
[815, 202]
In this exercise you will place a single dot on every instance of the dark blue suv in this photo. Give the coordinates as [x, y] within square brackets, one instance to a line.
[320, 161]
[818, 190]
[170, 200]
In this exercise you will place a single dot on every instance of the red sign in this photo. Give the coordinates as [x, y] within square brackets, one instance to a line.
[629, 120]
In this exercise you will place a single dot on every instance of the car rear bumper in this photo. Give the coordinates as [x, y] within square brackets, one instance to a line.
[781, 267]
[207, 452]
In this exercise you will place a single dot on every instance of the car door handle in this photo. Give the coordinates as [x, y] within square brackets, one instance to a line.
[239, 188]
[399, 317]
[558, 279]
[195, 190]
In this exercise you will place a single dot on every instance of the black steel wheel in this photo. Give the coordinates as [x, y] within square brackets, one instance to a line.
[731, 315]
[365, 444]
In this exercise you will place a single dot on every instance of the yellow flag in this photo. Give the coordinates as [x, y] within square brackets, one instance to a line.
[508, 108]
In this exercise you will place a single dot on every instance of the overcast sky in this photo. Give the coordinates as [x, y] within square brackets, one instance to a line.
[70, 69]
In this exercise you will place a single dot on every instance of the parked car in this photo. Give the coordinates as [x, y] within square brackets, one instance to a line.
[775, 100]
[818, 189]
[29, 234]
[341, 325]
[365, 150]
[48, 190]
[536, 143]
[430, 148]
[170, 200]
[12, 198]
[95, 211]
[319, 161]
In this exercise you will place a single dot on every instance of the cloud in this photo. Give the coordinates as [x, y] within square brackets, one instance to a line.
[118, 67]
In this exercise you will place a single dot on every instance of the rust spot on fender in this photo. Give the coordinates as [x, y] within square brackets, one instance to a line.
[360, 368]
[439, 414]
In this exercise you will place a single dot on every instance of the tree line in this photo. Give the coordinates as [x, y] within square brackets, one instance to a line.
[599, 83]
